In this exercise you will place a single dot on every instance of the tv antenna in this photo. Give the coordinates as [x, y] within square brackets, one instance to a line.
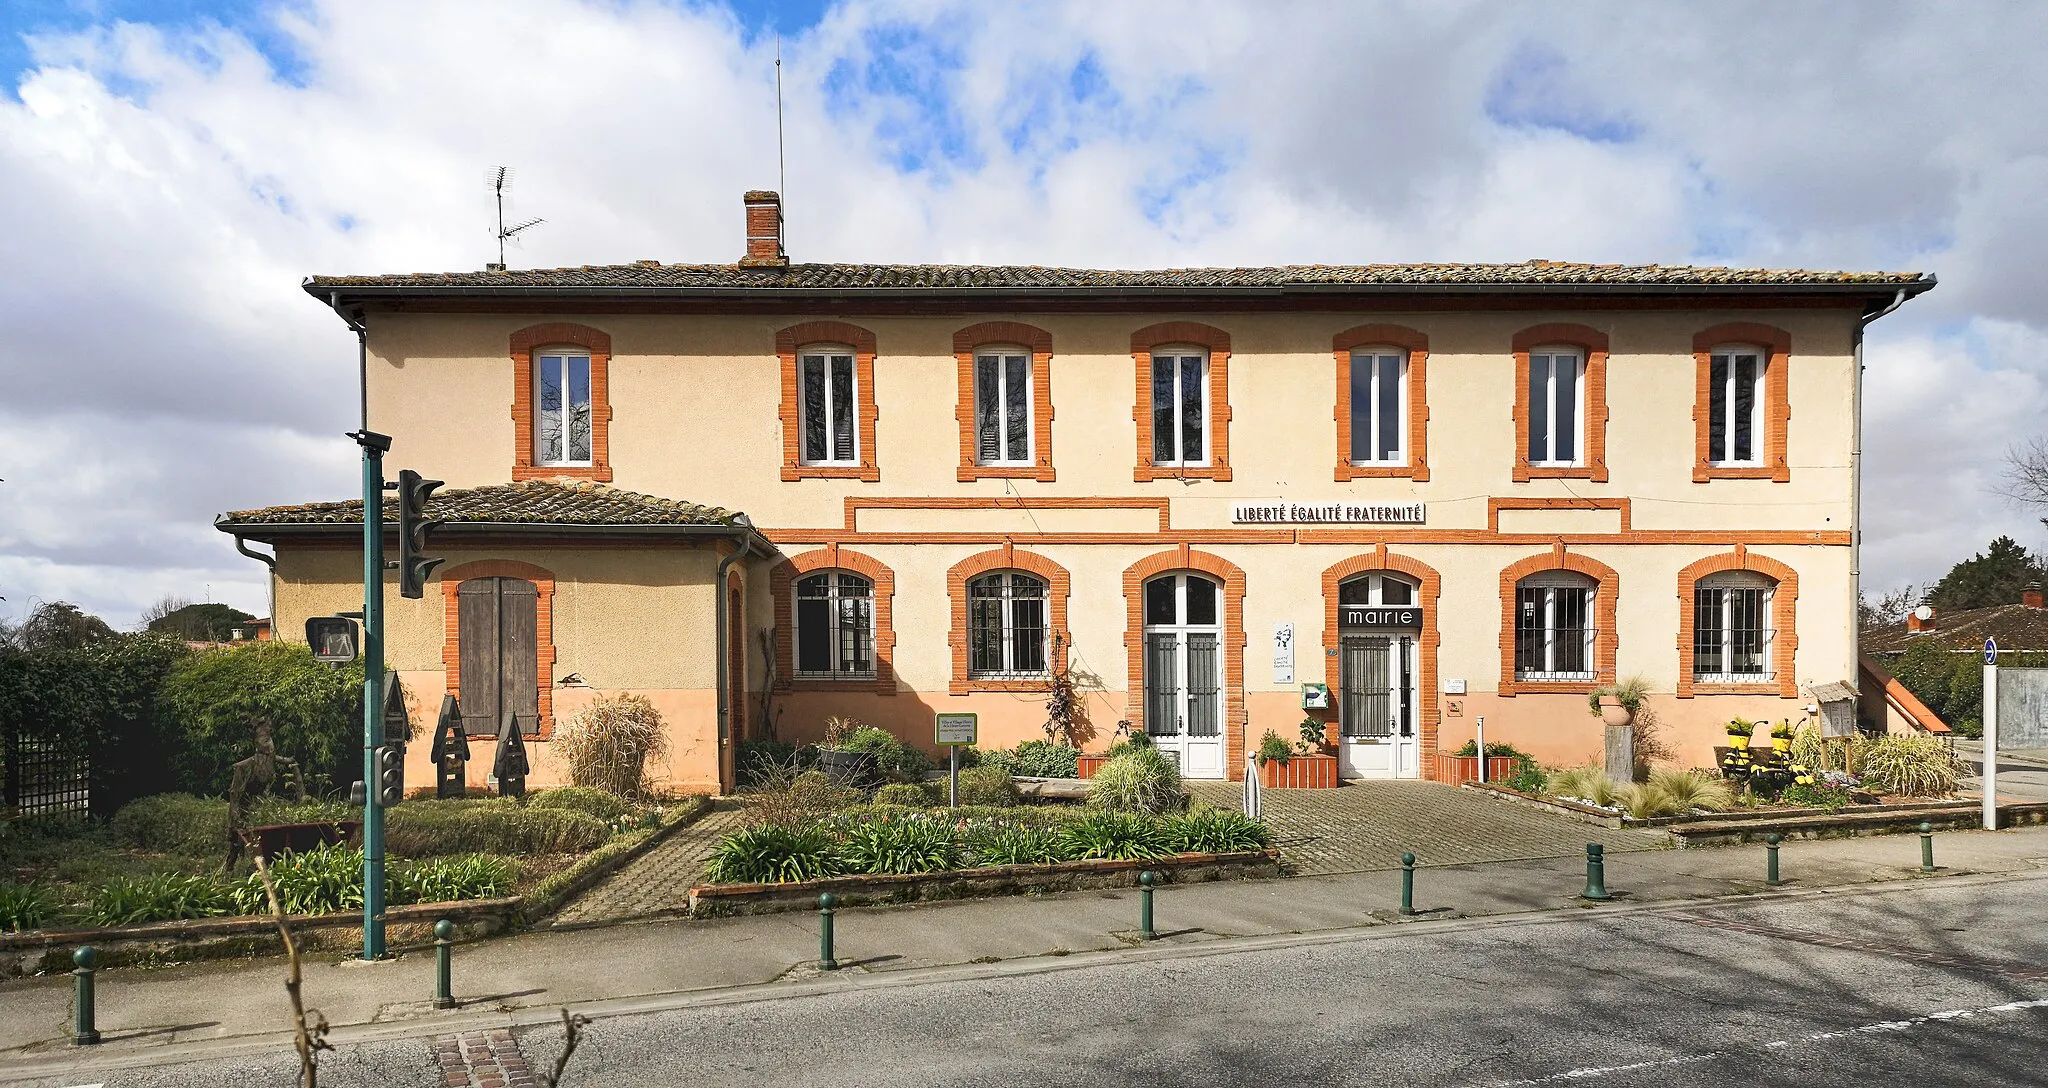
[501, 179]
[781, 166]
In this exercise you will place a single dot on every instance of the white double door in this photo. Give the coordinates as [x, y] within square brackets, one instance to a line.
[1183, 670]
[1377, 705]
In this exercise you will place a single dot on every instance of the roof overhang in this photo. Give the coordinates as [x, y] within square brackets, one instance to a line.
[481, 532]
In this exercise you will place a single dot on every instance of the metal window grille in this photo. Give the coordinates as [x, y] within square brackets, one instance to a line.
[1731, 641]
[835, 626]
[1006, 626]
[1554, 631]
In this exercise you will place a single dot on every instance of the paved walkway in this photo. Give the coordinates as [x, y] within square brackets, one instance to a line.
[1362, 826]
[659, 881]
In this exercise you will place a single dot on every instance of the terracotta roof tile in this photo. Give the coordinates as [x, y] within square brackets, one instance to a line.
[530, 502]
[2015, 626]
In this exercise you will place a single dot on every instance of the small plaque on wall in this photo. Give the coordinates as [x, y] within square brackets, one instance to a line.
[1454, 685]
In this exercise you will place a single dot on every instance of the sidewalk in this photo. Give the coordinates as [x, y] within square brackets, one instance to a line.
[150, 1012]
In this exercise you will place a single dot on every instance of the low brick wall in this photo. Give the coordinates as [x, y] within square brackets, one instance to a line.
[1313, 772]
[1847, 823]
[855, 891]
[50, 950]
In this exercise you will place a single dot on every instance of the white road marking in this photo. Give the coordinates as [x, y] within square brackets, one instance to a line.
[1819, 1036]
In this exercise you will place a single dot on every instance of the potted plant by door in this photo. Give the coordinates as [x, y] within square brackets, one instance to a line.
[1616, 705]
[844, 766]
[1739, 732]
[1781, 737]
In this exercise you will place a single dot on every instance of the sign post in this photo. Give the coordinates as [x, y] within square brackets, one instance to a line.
[951, 732]
[1990, 777]
[374, 447]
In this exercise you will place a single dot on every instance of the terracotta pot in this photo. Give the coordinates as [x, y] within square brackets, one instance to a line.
[1613, 713]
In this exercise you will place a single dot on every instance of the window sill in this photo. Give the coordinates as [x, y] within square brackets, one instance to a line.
[1007, 683]
[1381, 471]
[1548, 687]
[1524, 472]
[1040, 472]
[1703, 686]
[869, 473]
[1704, 471]
[1148, 472]
[600, 473]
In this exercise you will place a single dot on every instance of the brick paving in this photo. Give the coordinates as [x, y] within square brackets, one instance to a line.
[1362, 826]
[657, 882]
[482, 1059]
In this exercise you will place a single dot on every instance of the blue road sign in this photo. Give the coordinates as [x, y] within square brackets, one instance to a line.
[1991, 651]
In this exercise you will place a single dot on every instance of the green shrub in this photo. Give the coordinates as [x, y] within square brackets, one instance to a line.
[892, 758]
[916, 843]
[174, 823]
[444, 880]
[1037, 759]
[1273, 748]
[987, 786]
[1139, 780]
[161, 898]
[585, 799]
[1054, 816]
[419, 829]
[1588, 783]
[1689, 790]
[1816, 795]
[1215, 831]
[1471, 748]
[315, 710]
[907, 794]
[1528, 776]
[774, 854]
[25, 906]
[1013, 844]
[1115, 836]
[328, 880]
[1911, 765]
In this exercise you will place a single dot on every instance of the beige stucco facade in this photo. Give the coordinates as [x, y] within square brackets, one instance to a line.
[697, 411]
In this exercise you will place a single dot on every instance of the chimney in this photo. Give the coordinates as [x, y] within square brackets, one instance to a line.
[764, 230]
[2031, 596]
[1920, 619]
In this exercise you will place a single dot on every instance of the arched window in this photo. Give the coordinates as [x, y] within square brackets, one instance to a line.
[1735, 410]
[1554, 626]
[1377, 589]
[561, 418]
[835, 626]
[1379, 406]
[1731, 630]
[828, 386]
[1006, 631]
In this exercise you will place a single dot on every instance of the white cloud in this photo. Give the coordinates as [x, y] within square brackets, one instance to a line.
[167, 190]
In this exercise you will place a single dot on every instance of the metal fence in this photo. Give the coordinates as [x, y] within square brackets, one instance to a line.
[44, 777]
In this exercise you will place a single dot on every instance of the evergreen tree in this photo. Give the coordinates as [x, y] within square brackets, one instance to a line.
[1991, 577]
[201, 622]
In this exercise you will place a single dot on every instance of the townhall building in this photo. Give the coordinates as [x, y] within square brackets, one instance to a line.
[1448, 492]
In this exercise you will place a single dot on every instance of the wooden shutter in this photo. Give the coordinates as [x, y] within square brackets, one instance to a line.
[498, 637]
[477, 637]
[519, 652]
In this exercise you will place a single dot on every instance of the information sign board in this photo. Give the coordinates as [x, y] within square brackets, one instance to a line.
[954, 728]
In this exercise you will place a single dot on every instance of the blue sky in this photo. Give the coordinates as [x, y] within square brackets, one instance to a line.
[175, 196]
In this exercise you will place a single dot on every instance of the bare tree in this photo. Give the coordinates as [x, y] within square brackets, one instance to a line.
[169, 603]
[1887, 607]
[2025, 479]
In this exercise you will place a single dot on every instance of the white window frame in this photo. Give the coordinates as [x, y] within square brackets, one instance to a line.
[1372, 416]
[827, 352]
[1720, 583]
[1376, 590]
[566, 359]
[835, 593]
[1723, 398]
[1179, 404]
[1000, 352]
[1577, 454]
[1551, 583]
[1006, 597]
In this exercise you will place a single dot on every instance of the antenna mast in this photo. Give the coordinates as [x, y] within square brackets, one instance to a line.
[781, 169]
[501, 179]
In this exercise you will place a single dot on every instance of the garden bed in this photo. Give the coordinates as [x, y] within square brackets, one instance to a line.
[989, 880]
[1298, 772]
[1743, 825]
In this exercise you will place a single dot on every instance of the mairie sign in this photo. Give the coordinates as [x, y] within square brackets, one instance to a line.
[1327, 513]
[1373, 615]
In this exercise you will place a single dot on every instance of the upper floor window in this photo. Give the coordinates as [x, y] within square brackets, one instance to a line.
[828, 384]
[1556, 405]
[561, 435]
[1379, 406]
[1006, 631]
[1554, 628]
[1731, 629]
[1735, 382]
[1180, 406]
[835, 625]
[1002, 406]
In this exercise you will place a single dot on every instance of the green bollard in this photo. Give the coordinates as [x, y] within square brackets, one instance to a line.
[1771, 842]
[826, 901]
[1145, 930]
[1926, 847]
[1407, 885]
[1596, 873]
[83, 1033]
[444, 962]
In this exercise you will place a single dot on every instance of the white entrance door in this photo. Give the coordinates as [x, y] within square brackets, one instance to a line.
[1376, 712]
[1184, 672]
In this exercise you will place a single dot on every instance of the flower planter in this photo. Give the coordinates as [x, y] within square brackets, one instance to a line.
[853, 769]
[1612, 713]
[1738, 740]
[1458, 770]
[275, 839]
[1088, 765]
[1312, 772]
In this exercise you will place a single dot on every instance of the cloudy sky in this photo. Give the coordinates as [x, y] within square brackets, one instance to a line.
[171, 169]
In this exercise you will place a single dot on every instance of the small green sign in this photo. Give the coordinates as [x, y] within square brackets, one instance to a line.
[954, 728]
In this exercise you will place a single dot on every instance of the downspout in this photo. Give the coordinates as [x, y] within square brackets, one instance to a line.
[242, 545]
[362, 332]
[720, 665]
[1856, 499]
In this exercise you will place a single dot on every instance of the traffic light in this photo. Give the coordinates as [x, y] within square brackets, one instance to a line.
[391, 774]
[413, 525]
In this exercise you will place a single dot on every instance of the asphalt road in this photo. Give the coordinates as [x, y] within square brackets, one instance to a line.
[1947, 983]
[2022, 776]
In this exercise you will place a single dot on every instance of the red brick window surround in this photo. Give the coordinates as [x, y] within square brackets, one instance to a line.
[1775, 346]
[789, 343]
[1429, 586]
[1216, 343]
[1784, 633]
[782, 585]
[1415, 345]
[968, 344]
[1000, 560]
[1231, 577]
[451, 625]
[526, 344]
[1607, 588]
[1592, 421]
